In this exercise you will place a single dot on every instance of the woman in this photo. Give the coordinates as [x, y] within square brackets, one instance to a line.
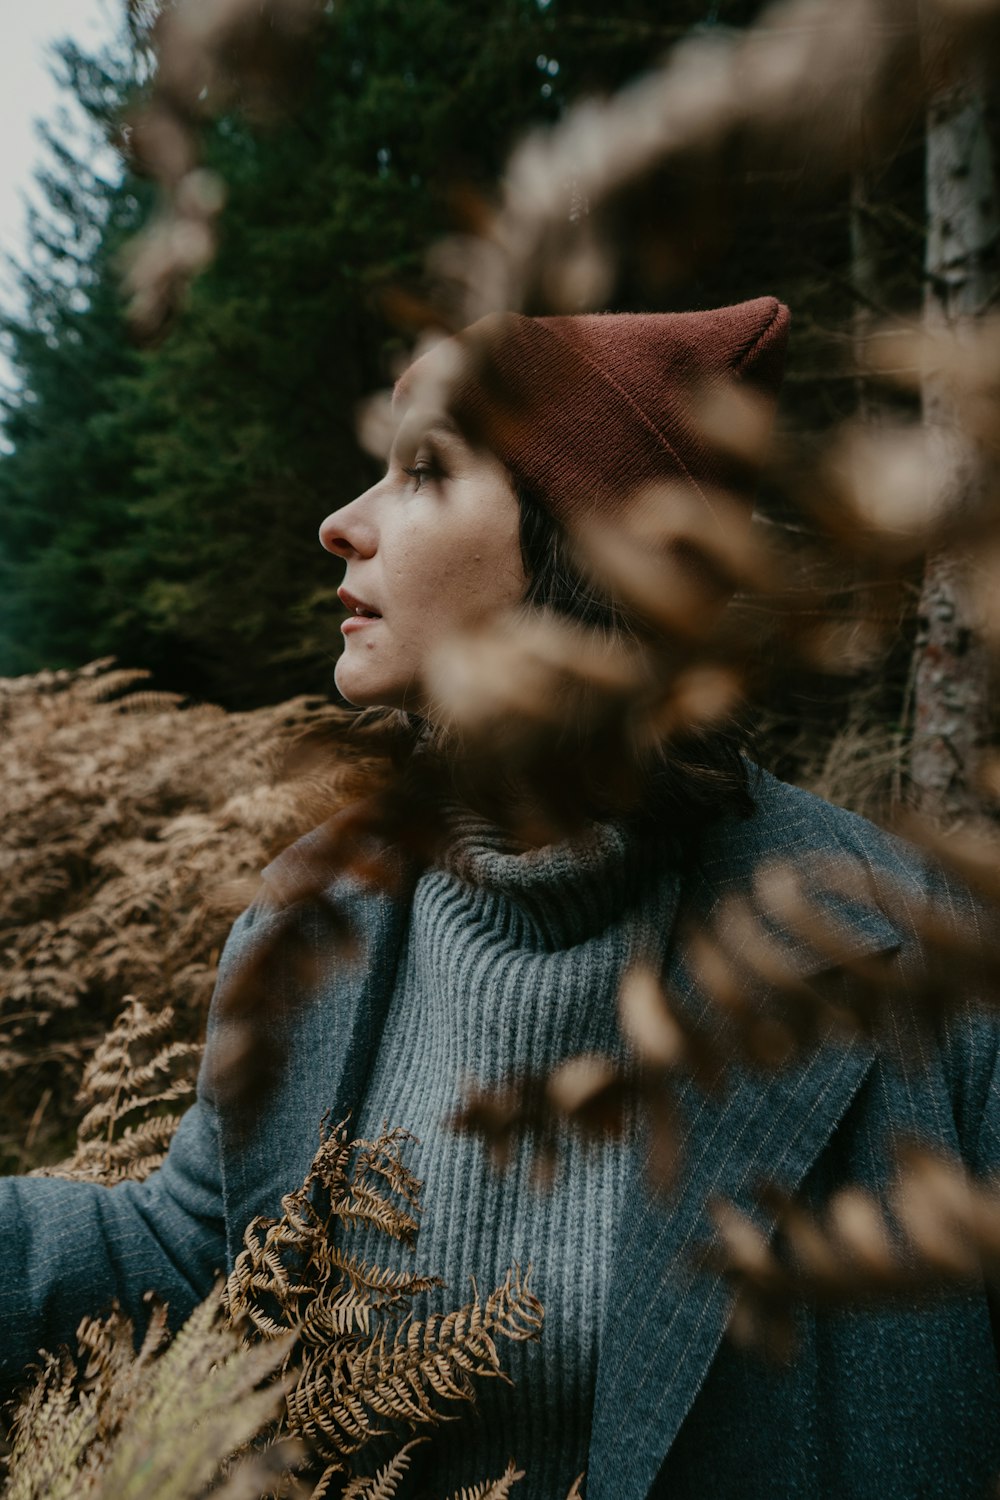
[502, 960]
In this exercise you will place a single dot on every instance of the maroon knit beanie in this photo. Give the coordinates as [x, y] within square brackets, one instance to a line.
[590, 409]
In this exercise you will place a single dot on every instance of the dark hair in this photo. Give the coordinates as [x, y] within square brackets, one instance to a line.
[701, 776]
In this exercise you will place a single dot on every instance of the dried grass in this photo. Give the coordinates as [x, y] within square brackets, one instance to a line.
[132, 825]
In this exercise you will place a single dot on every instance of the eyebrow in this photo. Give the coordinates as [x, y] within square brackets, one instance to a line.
[442, 429]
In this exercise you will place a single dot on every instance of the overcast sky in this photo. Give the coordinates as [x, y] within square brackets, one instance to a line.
[28, 92]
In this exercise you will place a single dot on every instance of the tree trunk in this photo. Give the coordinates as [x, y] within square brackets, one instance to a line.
[952, 667]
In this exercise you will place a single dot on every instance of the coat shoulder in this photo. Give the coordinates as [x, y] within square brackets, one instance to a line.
[940, 930]
[789, 824]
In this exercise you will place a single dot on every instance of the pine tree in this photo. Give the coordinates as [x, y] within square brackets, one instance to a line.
[66, 344]
[163, 505]
[243, 421]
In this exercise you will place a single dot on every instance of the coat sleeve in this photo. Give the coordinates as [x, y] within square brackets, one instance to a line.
[971, 1036]
[973, 1048]
[72, 1248]
[971, 1052]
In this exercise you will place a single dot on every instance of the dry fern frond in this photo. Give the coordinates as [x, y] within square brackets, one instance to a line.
[135, 1073]
[218, 1407]
[154, 1425]
[385, 1484]
[356, 1377]
[148, 703]
[119, 826]
[493, 1489]
[320, 1371]
[107, 685]
[327, 1291]
[344, 1394]
[196, 47]
[50, 1437]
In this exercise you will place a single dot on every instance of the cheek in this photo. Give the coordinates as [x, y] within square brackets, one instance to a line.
[487, 573]
[452, 576]
[449, 572]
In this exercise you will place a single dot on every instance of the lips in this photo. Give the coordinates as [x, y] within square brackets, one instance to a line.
[358, 607]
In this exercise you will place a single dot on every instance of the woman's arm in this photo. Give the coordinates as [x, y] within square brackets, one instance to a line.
[72, 1248]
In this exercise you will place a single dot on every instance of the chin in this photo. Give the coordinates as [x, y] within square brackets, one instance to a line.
[363, 690]
[357, 695]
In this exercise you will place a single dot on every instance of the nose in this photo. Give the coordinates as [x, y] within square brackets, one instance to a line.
[349, 532]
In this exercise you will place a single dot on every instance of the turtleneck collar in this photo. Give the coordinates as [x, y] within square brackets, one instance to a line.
[565, 891]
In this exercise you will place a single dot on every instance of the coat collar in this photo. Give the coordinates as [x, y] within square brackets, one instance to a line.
[666, 1318]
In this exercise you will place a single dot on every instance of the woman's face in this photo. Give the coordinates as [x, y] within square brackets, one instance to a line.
[432, 549]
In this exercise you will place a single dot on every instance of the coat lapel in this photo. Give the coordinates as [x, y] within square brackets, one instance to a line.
[324, 1029]
[665, 1319]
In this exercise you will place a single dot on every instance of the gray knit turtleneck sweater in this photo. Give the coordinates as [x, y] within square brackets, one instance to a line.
[512, 962]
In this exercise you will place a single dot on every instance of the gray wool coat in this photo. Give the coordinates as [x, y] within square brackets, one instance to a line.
[880, 1403]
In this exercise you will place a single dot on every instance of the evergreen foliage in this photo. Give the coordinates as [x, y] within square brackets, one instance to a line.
[59, 485]
[163, 506]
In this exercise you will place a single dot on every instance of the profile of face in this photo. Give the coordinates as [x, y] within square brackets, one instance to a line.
[431, 550]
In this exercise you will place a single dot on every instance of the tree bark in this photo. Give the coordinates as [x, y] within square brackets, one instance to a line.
[952, 666]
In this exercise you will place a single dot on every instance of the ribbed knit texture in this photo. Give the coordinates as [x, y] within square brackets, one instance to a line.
[512, 963]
